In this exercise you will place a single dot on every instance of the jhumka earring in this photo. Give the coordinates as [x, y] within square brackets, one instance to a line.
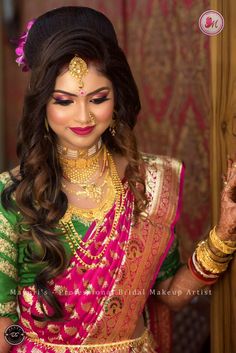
[113, 124]
[78, 68]
[46, 125]
[47, 135]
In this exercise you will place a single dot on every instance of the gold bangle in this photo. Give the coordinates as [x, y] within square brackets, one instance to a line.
[206, 262]
[220, 244]
[216, 257]
[200, 270]
[215, 251]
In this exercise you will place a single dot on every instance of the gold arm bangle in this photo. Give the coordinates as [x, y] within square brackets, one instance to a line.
[220, 244]
[215, 257]
[206, 262]
[200, 270]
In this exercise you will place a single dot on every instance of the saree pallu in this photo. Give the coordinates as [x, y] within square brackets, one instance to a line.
[101, 306]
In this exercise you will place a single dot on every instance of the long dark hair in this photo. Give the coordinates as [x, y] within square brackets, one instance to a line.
[37, 187]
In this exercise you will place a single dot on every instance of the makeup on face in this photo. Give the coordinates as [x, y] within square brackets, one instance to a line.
[82, 130]
[98, 96]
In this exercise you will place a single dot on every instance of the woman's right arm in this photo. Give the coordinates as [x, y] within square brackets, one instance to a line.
[4, 323]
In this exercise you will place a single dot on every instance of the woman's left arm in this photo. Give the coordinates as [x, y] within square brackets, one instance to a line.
[178, 290]
[212, 255]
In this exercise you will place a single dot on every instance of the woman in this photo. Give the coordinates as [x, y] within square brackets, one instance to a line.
[86, 221]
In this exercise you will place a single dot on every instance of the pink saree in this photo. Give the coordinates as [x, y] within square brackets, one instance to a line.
[102, 305]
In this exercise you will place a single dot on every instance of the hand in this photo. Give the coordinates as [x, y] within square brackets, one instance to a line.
[226, 229]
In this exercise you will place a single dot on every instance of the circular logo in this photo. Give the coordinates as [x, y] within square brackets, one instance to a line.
[211, 22]
[14, 334]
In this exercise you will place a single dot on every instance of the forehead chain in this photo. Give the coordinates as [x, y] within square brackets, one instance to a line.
[78, 68]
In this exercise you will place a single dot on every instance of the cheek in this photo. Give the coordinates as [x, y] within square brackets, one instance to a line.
[55, 115]
[105, 113]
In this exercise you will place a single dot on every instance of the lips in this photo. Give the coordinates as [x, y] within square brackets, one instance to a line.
[82, 130]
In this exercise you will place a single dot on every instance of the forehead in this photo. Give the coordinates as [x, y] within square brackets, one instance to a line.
[92, 80]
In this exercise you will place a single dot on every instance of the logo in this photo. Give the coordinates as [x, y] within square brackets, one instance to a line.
[14, 334]
[211, 22]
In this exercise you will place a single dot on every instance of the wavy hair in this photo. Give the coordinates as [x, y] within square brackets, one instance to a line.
[37, 187]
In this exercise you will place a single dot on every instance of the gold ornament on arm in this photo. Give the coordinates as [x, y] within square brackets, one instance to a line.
[78, 68]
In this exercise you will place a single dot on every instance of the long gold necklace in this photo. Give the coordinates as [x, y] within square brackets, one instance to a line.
[74, 240]
[91, 190]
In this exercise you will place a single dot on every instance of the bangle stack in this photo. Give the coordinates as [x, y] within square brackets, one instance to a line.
[211, 258]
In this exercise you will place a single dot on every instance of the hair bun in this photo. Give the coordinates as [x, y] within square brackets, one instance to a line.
[68, 17]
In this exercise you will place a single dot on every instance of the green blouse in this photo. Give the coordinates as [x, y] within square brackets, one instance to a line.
[16, 272]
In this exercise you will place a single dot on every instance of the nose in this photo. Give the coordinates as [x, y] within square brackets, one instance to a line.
[81, 115]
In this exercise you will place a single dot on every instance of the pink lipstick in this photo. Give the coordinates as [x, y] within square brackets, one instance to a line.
[82, 130]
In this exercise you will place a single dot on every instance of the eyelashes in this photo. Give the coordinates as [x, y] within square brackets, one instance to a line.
[66, 102]
[63, 102]
[99, 100]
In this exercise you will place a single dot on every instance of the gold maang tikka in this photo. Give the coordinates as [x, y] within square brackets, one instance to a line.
[78, 68]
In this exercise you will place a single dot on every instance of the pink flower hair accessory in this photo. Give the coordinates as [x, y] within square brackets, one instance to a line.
[21, 60]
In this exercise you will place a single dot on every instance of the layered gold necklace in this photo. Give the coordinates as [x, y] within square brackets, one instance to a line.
[105, 193]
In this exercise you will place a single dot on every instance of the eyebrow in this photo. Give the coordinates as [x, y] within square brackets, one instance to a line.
[75, 95]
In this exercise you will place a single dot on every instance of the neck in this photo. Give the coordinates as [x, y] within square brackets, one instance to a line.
[79, 153]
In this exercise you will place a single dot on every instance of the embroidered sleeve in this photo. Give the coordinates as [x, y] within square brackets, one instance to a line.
[8, 263]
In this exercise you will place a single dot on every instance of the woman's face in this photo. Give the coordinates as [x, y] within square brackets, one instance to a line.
[69, 112]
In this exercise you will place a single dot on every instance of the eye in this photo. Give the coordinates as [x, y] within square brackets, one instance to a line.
[63, 102]
[99, 100]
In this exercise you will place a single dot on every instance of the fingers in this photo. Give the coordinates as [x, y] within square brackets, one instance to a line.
[231, 170]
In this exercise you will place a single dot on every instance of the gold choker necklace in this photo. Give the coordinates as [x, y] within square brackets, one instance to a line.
[67, 152]
[80, 170]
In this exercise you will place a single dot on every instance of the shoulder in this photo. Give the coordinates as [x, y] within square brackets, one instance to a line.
[5, 179]
[7, 217]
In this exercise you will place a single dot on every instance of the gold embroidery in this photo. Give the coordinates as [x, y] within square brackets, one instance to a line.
[144, 343]
[6, 229]
[135, 249]
[69, 307]
[21, 349]
[86, 306]
[36, 350]
[7, 249]
[26, 323]
[40, 324]
[28, 297]
[33, 335]
[5, 178]
[61, 290]
[113, 305]
[53, 328]
[38, 308]
[9, 307]
[71, 331]
[75, 315]
[45, 309]
[8, 269]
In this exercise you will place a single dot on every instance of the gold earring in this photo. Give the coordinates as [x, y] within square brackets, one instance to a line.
[46, 125]
[113, 125]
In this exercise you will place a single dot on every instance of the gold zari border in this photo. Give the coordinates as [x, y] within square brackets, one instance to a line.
[6, 228]
[8, 269]
[8, 249]
[142, 344]
[6, 308]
